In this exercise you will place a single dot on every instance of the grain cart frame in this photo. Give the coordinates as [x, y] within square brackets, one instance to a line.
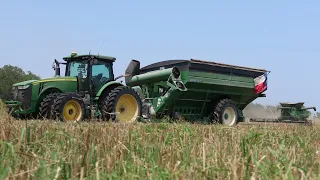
[87, 90]
[195, 89]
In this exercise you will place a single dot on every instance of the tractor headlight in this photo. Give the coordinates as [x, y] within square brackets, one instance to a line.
[23, 87]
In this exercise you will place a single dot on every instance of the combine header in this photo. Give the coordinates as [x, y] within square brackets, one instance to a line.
[290, 113]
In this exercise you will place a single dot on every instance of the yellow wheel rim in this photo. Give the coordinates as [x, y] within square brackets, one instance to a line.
[72, 111]
[127, 108]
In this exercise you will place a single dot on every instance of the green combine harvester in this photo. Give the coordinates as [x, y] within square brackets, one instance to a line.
[189, 89]
[290, 113]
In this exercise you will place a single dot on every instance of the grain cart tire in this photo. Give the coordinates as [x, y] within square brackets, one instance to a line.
[226, 112]
[123, 105]
[45, 106]
[68, 107]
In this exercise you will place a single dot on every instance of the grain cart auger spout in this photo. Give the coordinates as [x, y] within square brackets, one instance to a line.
[195, 90]
[290, 113]
[169, 84]
[314, 108]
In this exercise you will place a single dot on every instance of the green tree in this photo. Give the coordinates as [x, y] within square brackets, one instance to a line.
[10, 75]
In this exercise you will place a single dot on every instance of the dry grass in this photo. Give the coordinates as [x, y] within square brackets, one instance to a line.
[50, 150]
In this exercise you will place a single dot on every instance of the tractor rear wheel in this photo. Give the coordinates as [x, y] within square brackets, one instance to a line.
[45, 106]
[68, 107]
[123, 104]
[226, 112]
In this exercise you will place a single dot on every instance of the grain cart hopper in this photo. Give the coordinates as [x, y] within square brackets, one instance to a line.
[195, 89]
[290, 113]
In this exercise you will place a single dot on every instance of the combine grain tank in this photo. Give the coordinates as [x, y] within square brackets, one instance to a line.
[195, 89]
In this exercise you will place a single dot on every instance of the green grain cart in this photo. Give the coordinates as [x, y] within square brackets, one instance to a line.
[192, 89]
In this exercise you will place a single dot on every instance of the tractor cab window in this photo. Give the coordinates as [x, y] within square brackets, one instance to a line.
[101, 73]
[77, 68]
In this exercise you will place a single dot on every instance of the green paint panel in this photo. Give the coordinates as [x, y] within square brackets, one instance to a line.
[220, 79]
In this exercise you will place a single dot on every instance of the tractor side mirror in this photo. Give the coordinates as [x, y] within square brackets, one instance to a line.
[53, 66]
[56, 67]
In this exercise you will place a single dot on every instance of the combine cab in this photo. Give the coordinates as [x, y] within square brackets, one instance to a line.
[290, 113]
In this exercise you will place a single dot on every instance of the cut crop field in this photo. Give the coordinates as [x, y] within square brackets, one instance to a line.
[57, 150]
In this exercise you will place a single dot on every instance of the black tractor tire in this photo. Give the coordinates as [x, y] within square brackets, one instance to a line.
[68, 107]
[102, 107]
[45, 106]
[223, 109]
[104, 114]
[123, 104]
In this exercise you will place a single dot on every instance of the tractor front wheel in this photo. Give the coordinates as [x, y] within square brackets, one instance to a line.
[68, 107]
[226, 112]
[45, 106]
[123, 104]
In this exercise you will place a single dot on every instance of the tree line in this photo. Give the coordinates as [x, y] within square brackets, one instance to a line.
[10, 75]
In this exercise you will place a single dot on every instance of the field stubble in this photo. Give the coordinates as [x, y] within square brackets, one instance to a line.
[54, 150]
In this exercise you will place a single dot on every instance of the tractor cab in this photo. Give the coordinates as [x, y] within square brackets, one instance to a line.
[92, 71]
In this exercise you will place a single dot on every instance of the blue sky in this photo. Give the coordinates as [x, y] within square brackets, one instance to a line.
[281, 36]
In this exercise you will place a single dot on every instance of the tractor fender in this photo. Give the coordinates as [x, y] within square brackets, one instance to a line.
[49, 89]
[105, 87]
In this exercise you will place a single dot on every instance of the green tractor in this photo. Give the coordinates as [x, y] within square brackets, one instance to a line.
[88, 89]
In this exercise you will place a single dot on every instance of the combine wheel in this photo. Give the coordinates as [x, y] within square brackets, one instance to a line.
[45, 106]
[68, 107]
[225, 112]
[122, 105]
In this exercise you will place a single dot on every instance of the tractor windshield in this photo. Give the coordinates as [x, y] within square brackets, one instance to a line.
[77, 68]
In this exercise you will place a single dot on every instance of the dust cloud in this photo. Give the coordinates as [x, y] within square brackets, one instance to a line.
[260, 111]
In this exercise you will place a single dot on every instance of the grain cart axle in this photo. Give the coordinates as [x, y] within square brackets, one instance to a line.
[289, 113]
